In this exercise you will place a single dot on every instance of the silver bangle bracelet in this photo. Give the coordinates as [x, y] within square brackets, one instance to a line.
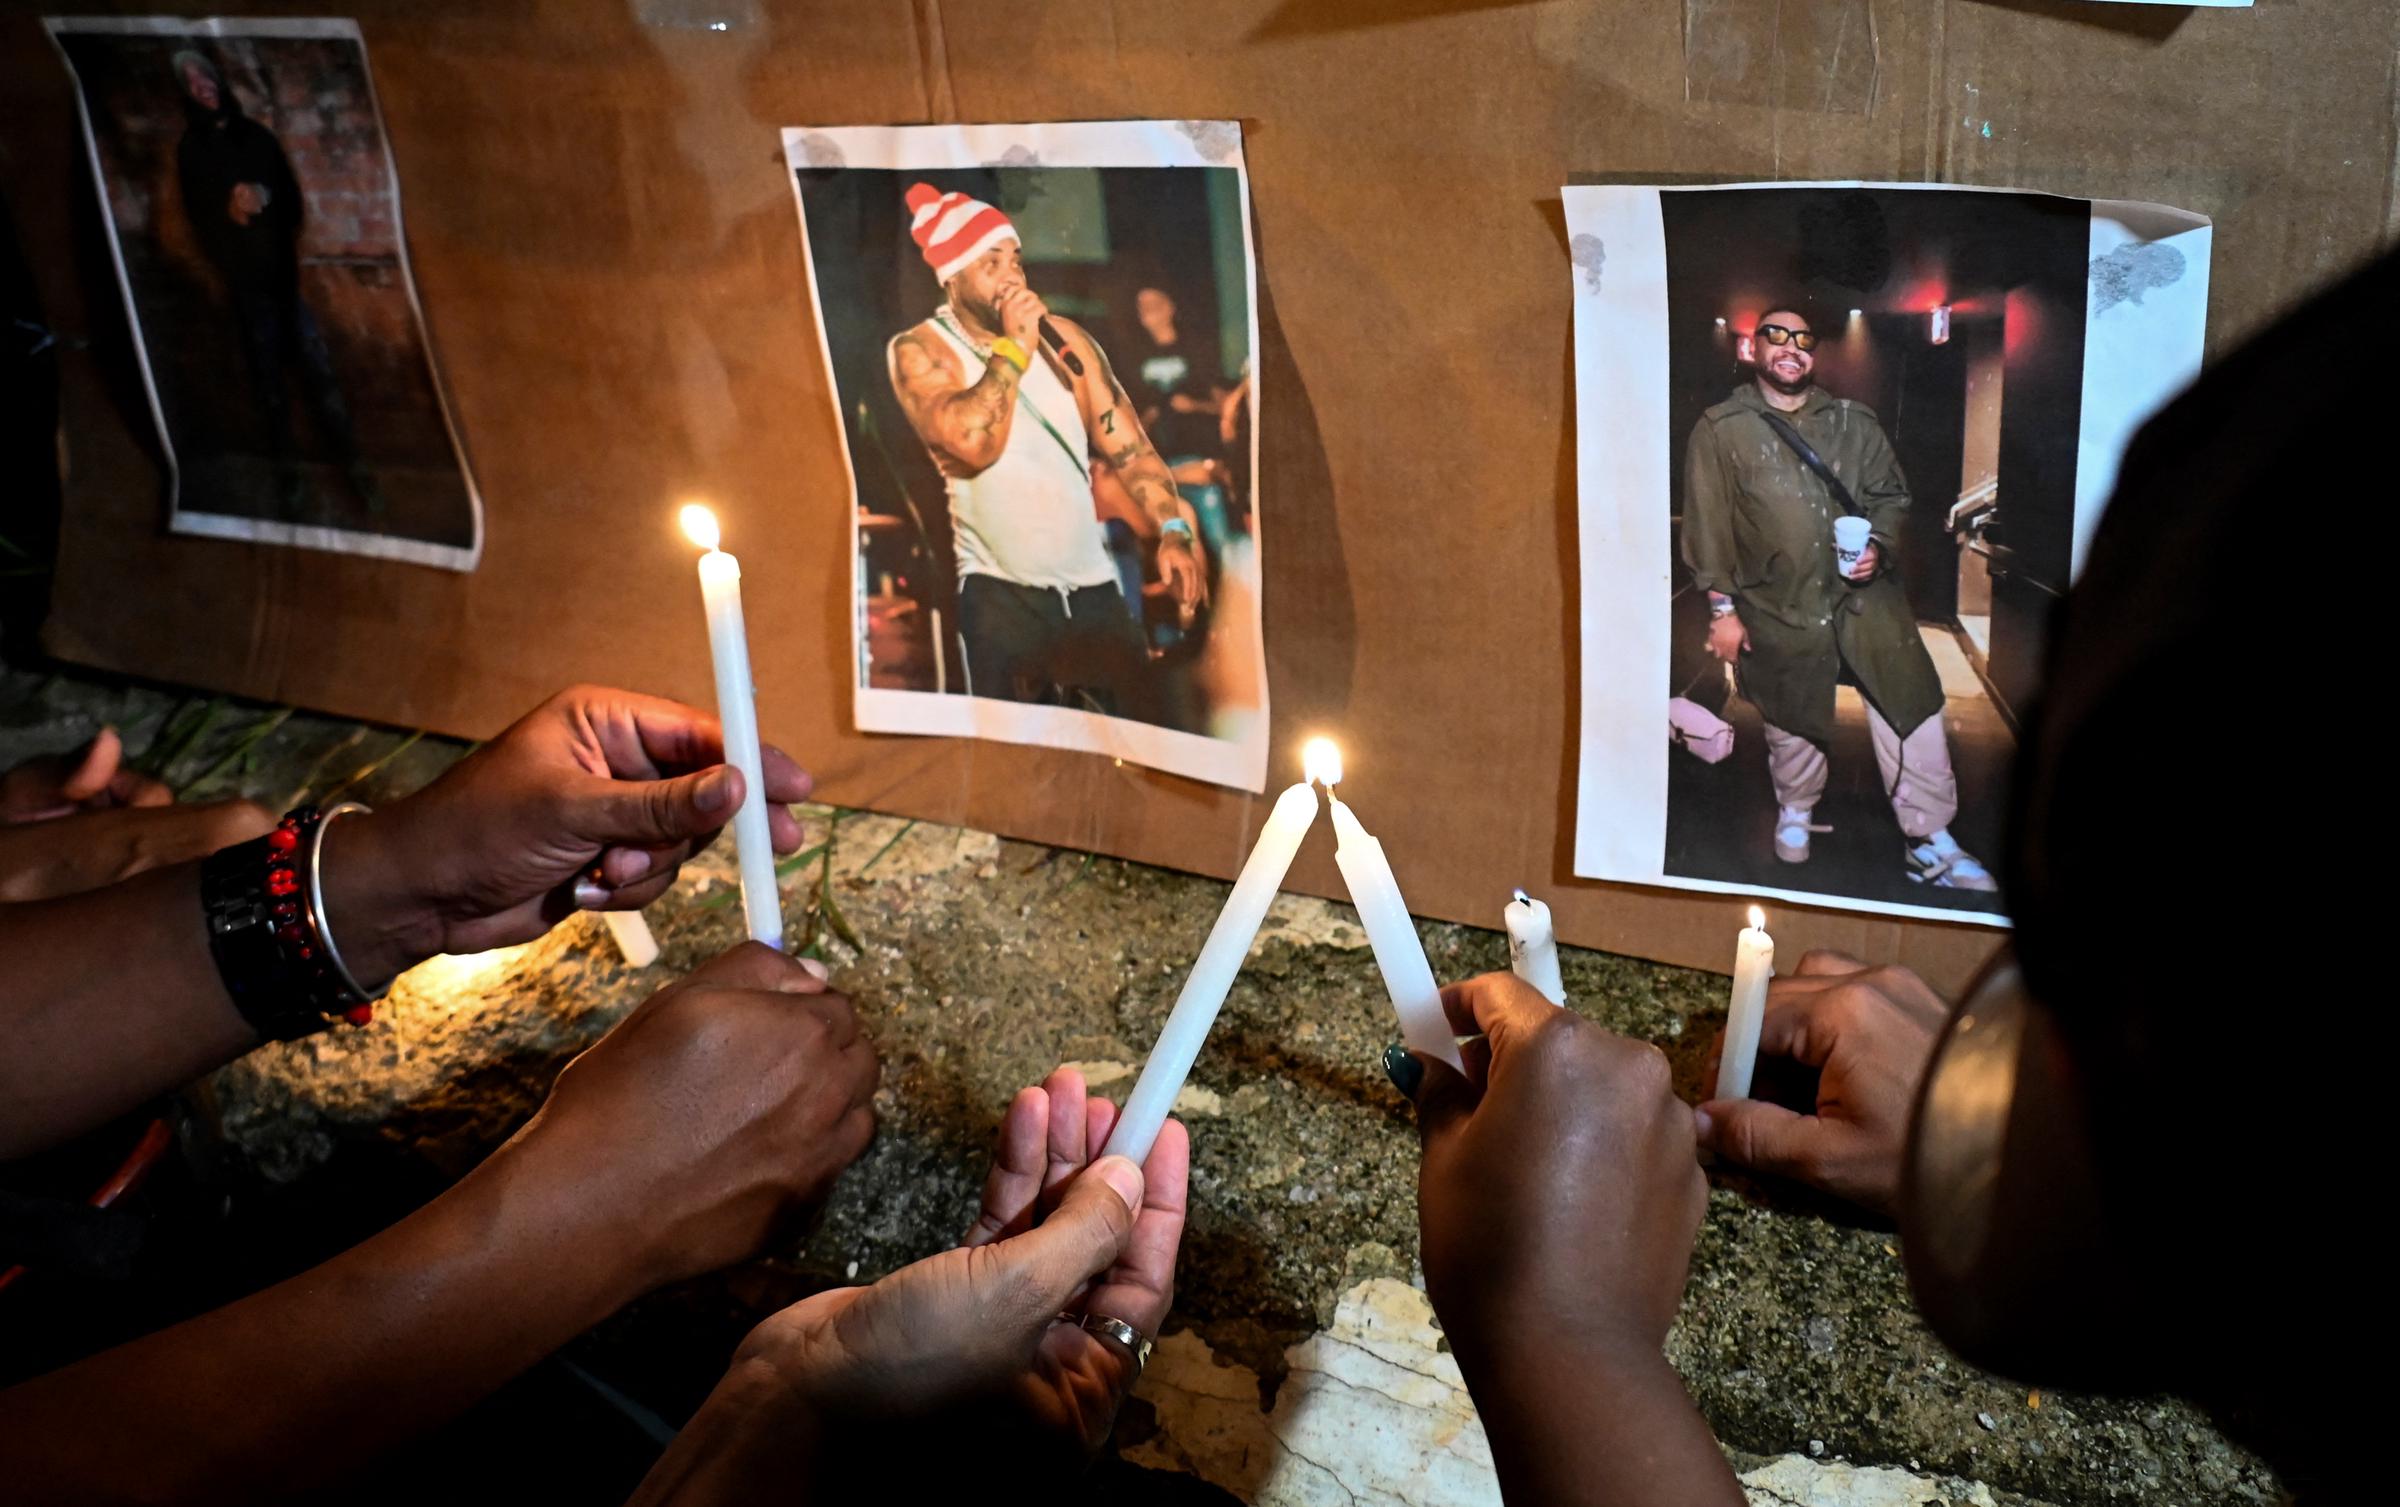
[320, 924]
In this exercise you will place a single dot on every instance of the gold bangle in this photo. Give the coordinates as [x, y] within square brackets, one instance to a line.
[1013, 351]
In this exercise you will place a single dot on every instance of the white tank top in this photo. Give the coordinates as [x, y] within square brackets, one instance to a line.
[1029, 517]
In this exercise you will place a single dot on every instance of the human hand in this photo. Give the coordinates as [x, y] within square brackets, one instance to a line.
[1728, 640]
[1183, 571]
[1559, 1195]
[90, 779]
[714, 1118]
[1870, 1033]
[1021, 314]
[90, 850]
[245, 202]
[1229, 413]
[1059, 1232]
[1870, 560]
[590, 801]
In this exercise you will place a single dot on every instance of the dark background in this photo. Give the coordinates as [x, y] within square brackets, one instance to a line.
[2012, 270]
[1158, 230]
[2017, 259]
[313, 94]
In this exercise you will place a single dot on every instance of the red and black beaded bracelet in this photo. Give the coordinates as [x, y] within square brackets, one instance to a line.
[267, 932]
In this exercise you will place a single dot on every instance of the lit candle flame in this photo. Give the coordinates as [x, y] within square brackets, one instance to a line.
[699, 525]
[1758, 919]
[1321, 762]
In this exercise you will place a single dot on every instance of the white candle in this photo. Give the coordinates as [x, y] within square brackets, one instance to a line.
[1532, 949]
[632, 935]
[737, 714]
[1753, 965]
[1204, 988]
[1407, 977]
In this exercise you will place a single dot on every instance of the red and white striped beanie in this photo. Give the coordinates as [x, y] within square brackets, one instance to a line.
[953, 229]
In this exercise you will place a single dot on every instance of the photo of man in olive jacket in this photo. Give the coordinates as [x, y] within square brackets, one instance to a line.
[1759, 538]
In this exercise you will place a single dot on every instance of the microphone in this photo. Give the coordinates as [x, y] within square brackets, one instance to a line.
[1050, 338]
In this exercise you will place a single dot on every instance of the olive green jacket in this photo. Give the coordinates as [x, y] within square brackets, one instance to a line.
[1758, 526]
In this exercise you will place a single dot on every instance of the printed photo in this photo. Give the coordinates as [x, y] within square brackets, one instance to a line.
[1839, 446]
[1040, 339]
[254, 215]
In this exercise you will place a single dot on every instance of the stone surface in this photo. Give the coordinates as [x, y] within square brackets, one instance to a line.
[1302, 1365]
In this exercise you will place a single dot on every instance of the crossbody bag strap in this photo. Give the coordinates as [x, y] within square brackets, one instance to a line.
[1811, 459]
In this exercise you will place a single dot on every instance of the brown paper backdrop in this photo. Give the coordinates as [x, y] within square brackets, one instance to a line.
[610, 264]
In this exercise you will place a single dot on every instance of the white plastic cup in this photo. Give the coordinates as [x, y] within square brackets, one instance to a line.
[1850, 540]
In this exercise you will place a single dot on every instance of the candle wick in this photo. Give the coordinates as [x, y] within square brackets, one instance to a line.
[1523, 898]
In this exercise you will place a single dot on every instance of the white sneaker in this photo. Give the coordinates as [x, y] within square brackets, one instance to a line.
[1792, 827]
[1942, 863]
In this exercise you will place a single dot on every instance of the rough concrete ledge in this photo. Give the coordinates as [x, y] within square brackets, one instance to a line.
[1303, 1364]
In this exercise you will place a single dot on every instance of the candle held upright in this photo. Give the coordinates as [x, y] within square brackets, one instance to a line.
[1533, 947]
[737, 715]
[1746, 1014]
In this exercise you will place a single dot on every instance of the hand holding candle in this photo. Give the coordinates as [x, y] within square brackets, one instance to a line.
[1753, 966]
[1407, 977]
[737, 715]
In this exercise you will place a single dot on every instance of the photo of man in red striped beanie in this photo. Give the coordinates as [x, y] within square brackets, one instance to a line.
[1017, 406]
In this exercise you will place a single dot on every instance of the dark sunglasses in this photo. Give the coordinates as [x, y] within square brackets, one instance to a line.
[1775, 334]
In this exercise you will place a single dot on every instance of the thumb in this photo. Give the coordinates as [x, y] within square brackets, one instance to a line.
[1763, 1137]
[656, 813]
[1083, 1237]
[98, 767]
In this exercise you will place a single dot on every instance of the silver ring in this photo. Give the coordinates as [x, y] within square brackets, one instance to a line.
[1123, 1333]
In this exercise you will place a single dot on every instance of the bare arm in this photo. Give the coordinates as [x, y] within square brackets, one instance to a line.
[965, 425]
[112, 998]
[1125, 448]
[295, 1385]
[705, 1123]
[1117, 432]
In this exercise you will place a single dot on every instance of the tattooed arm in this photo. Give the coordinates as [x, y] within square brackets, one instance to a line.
[966, 426]
[1125, 448]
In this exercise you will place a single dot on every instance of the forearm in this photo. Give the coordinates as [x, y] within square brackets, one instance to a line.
[749, 1439]
[1591, 1426]
[973, 424]
[112, 999]
[293, 1386]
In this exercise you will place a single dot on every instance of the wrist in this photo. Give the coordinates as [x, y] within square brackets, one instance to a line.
[746, 1431]
[1507, 1345]
[801, 1348]
[527, 1201]
[381, 926]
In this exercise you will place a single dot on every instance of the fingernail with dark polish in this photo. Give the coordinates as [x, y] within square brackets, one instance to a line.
[1402, 1067]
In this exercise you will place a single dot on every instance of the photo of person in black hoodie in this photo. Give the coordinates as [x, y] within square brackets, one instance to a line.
[250, 192]
[246, 206]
